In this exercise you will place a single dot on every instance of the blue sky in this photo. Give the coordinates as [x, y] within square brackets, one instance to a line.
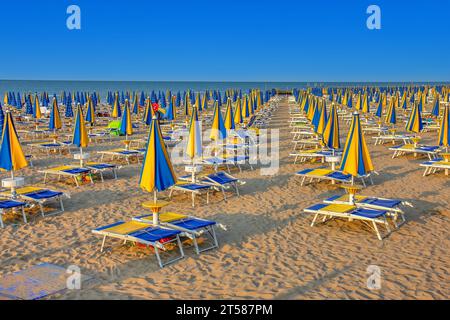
[316, 40]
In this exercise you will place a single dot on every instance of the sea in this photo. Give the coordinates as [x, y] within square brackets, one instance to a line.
[102, 87]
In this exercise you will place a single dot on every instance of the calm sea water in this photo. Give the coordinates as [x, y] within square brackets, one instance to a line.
[102, 87]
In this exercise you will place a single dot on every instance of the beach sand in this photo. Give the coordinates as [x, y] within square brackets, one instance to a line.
[269, 250]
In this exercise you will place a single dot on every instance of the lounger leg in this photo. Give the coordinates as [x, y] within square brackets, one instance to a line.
[376, 230]
[158, 257]
[1, 219]
[103, 244]
[42, 210]
[24, 215]
[193, 199]
[45, 178]
[101, 177]
[224, 195]
[237, 189]
[76, 181]
[61, 204]
[314, 220]
[207, 197]
[115, 173]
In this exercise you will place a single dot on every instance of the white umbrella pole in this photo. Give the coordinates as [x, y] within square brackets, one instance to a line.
[81, 157]
[155, 212]
[13, 187]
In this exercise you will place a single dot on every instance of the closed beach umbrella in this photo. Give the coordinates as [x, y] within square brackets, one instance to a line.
[80, 136]
[90, 113]
[391, 116]
[126, 127]
[37, 108]
[415, 120]
[238, 112]
[194, 145]
[444, 132]
[2, 119]
[379, 112]
[435, 110]
[355, 157]
[331, 133]
[116, 112]
[218, 130]
[55, 118]
[322, 118]
[157, 172]
[171, 111]
[11, 154]
[229, 117]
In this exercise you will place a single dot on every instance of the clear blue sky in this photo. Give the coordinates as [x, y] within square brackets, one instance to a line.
[315, 40]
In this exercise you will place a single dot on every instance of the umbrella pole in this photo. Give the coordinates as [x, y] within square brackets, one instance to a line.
[81, 157]
[155, 210]
[13, 188]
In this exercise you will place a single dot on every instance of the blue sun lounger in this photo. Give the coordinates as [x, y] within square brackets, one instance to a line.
[368, 216]
[392, 206]
[220, 180]
[40, 196]
[430, 151]
[68, 171]
[123, 153]
[6, 205]
[160, 238]
[100, 168]
[193, 188]
[191, 227]
[322, 173]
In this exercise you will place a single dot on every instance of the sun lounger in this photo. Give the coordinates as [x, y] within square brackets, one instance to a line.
[435, 165]
[430, 151]
[122, 153]
[73, 172]
[193, 188]
[6, 205]
[100, 168]
[328, 174]
[393, 138]
[160, 238]
[305, 155]
[48, 147]
[191, 227]
[392, 206]
[40, 196]
[221, 180]
[369, 216]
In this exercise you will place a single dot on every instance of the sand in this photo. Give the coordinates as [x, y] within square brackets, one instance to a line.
[269, 250]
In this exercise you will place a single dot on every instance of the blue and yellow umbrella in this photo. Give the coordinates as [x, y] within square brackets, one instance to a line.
[116, 112]
[157, 173]
[126, 127]
[80, 136]
[415, 120]
[229, 117]
[90, 113]
[391, 116]
[218, 130]
[444, 132]
[330, 135]
[55, 118]
[194, 145]
[238, 112]
[11, 153]
[356, 159]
